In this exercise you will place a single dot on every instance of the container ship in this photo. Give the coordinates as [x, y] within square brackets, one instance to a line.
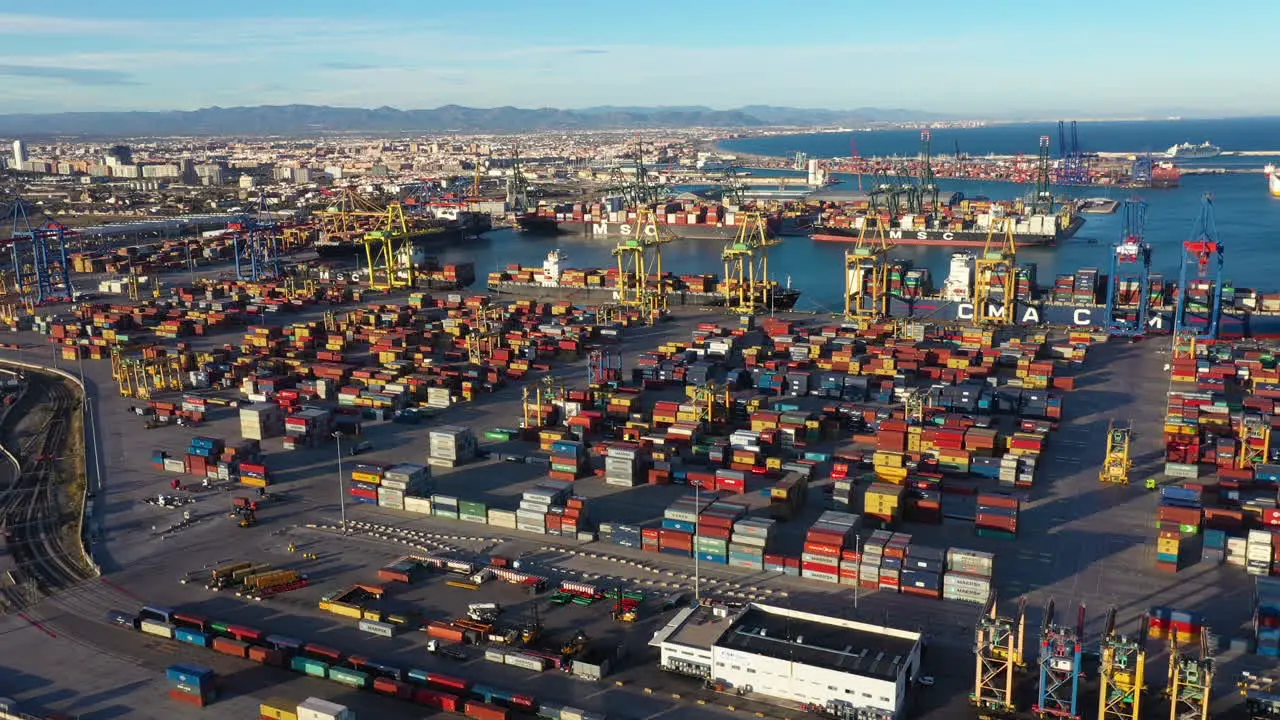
[1273, 179]
[444, 224]
[1165, 175]
[596, 286]
[1079, 300]
[960, 222]
[613, 219]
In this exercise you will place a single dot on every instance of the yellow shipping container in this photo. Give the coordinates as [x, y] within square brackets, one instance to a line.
[888, 459]
[365, 477]
[253, 481]
[1167, 546]
[277, 709]
[374, 615]
[773, 463]
[895, 475]
[342, 609]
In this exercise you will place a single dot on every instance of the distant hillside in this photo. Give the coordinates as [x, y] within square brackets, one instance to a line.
[315, 119]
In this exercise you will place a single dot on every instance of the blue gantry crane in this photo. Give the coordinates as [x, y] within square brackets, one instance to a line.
[1073, 166]
[257, 251]
[1141, 172]
[1061, 650]
[1199, 305]
[1129, 284]
[41, 270]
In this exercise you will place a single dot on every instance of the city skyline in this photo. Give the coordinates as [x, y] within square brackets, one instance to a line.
[994, 60]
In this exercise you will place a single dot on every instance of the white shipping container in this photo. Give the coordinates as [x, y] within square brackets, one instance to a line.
[526, 662]
[495, 655]
[380, 629]
[317, 709]
[391, 484]
[502, 518]
[174, 465]
[824, 577]
[417, 505]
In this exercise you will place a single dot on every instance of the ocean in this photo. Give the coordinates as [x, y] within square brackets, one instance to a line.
[1247, 217]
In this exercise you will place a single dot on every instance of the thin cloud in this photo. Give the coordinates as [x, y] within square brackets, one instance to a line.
[72, 76]
[590, 51]
[347, 66]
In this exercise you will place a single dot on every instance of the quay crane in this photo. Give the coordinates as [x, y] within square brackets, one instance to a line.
[389, 251]
[1073, 165]
[41, 270]
[928, 189]
[639, 256]
[999, 645]
[1042, 194]
[1117, 463]
[1130, 266]
[1061, 650]
[866, 273]
[995, 276]
[746, 293]
[1122, 676]
[1190, 680]
[1255, 442]
[1202, 260]
[255, 247]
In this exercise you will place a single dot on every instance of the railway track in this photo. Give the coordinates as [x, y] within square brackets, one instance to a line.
[35, 535]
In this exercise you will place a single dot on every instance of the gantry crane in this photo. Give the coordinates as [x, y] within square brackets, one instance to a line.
[999, 651]
[640, 257]
[1117, 463]
[350, 216]
[1255, 442]
[41, 270]
[1202, 260]
[712, 402]
[1042, 194]
[928, 182]
[745, 292]
[1190, 680]
[255, 246]
[995, 276]
[603, 368]
[486, 336]
[142, 377]
[389, 251]
[1122, 673]
[866, 273]
[883, 196]
[546, 392]
[1130, 266]
[1261, 695]
[1061, 652]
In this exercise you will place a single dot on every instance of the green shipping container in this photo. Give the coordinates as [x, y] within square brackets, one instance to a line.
[471, 507]
[351, 678]
[443, 512]
[497, 435]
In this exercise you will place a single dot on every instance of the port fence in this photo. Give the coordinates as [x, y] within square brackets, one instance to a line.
[84, 428]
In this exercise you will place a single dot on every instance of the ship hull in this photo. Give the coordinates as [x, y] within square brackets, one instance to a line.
[347, 250]
[535, 225]
[783, 301]
[624, 230]
[1232, 323]
[947, 238]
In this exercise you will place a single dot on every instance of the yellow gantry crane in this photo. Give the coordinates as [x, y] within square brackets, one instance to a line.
[389, 251]
[1255, 442]
[486, 336]
[712, 402]
[1117, 463]
[995, 280]
[866, 273]
[350, 216]
[745, 292]
[639, 257]
[1185, 345]
[1190, 680]
[546, 392]
[141, 378]
[1122, 671]
[999, 651]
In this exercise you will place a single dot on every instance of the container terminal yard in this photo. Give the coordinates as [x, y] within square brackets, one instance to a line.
[313, 496]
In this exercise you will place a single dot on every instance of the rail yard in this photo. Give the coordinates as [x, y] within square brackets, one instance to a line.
[401, 498]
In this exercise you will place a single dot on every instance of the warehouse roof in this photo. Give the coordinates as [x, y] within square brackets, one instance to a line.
[826, 642]
[699, 627]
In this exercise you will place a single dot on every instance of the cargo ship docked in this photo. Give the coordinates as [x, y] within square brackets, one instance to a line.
[552, 281]
[1079, 300]
[443, 224]
[612, 219]
[960, 222]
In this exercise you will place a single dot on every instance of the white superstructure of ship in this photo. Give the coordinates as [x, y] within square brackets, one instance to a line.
[1187, 151]
[1273, 179]
[959, 282]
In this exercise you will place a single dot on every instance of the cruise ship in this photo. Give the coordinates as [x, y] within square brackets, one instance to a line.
[1273, 179]
[1187, 151]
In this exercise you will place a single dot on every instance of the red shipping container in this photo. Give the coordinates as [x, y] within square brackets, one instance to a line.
[387, 686]
[814, 548]
[830, 569]
[484, 711]
[717, 533]
[227, 646]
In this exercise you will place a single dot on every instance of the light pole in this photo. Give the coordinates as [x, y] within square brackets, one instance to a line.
[697, 518]
[342, 495]
[857, 546]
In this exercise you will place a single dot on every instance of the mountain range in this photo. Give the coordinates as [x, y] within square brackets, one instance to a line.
[316, 119]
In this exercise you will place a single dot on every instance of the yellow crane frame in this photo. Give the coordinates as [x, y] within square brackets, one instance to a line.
[389, 252]
[999, 254]
[1257, 452]
[712, 402]
[640, 256]
[1190, 685]
[744, 292]
[1117, 463]
[143, 377]
[999, 651]
[545, 392]
[1122, 672]
[1185, 345]
[486, 337]
[351, 215]
[866, 273]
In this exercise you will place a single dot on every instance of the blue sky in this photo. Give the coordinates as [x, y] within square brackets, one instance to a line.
[978, 58]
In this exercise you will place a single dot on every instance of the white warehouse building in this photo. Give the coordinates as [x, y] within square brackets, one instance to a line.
[852, 668]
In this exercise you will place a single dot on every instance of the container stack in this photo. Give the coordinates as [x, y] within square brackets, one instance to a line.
[202, 456]
[307, 428]
[867, 561]
[473, 511]
[997, 516]
[1214, 552]
[747, 544]
[412, 479]
[317, 709]
[261, 421]
[191, 684]
[1179, 520]
[444, 506]
[450, 446]
[844, 494]
[1259, 552]
[623, 535]
[1266, 616]
[568, 460]
[680, 521]
[883, 502]
[824, 543]
[624, 467]
[922, 571]
[715, 527]
[366, 478]
[968, 576]
[537, 503]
